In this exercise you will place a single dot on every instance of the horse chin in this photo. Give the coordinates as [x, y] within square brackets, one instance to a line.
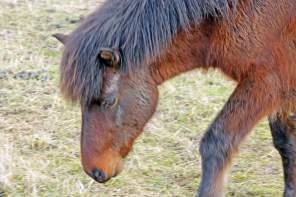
[117, 170]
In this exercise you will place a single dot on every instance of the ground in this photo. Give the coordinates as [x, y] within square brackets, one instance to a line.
[39, 131]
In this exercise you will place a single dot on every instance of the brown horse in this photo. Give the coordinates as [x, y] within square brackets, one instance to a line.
[115, 60]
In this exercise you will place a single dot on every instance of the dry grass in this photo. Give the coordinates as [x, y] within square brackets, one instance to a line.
[39, 132]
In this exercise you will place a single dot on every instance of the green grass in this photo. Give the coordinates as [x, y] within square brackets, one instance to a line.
[39, 132]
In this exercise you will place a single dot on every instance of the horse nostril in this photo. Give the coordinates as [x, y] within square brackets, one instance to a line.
[99, 176]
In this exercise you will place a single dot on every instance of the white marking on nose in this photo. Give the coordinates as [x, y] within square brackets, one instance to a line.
[118, 116]
[112, 84]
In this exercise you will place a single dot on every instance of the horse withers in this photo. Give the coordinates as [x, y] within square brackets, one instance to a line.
[114, 61]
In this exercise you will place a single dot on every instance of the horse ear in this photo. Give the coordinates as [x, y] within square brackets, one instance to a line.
[61, 37]
[110, 57]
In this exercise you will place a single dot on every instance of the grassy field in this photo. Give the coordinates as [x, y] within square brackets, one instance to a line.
[39, 132]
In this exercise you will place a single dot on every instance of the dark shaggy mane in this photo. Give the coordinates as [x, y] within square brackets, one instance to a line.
[141, 29]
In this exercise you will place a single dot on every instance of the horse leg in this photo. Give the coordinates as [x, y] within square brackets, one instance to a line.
[252, 99]
[283, 130]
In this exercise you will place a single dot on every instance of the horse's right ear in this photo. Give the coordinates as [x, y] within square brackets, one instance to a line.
[61, 37]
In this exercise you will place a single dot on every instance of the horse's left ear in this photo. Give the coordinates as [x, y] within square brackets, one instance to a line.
[110, 57]
[61, 37]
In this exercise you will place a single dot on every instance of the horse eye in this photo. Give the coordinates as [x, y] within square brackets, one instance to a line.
[109, 102]
[96, 102]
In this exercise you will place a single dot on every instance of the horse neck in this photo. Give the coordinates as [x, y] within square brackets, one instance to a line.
[189, 50]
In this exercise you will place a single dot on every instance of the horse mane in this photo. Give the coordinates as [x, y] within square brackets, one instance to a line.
[141, 29]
